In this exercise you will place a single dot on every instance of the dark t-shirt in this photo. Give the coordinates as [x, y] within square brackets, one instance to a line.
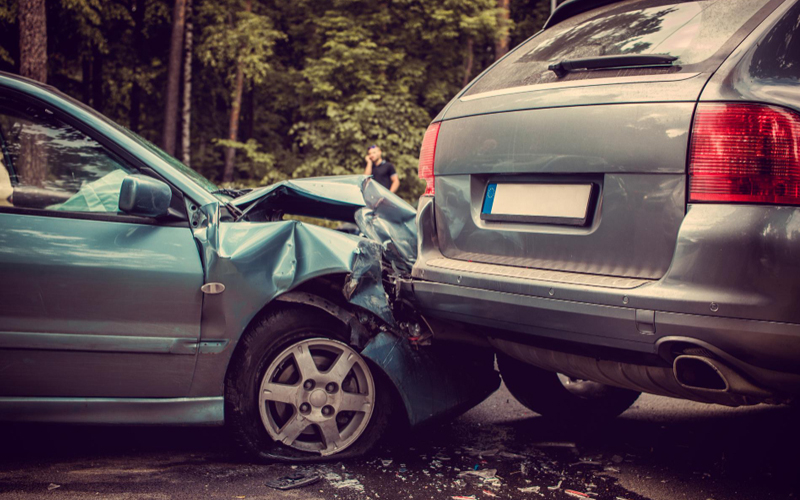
[383, 173]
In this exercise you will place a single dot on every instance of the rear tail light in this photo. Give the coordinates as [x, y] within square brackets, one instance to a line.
[748, 153]
[426, 156]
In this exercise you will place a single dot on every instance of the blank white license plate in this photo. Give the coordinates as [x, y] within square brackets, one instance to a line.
[532, 202]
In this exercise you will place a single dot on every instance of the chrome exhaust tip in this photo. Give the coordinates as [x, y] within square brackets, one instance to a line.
[697, 372]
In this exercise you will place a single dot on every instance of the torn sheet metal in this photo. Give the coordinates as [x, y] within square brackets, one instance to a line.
[335, 198]
[390, 221]
[442, 380]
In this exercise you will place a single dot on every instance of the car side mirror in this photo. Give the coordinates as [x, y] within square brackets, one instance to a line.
[144, 196]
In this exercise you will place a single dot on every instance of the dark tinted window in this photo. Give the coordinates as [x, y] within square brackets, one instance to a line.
[778, 57]
[691, 31]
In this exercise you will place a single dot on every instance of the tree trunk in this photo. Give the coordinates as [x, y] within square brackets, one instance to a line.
[138, 43]
[469, 61]
[33, 39]
[233, 128]
[97, 80]
[186, 121]
[86, 71]
[174, 78]
[236, 108]
[32, 170]
[501, 44]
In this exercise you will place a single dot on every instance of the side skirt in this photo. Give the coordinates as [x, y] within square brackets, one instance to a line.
[139, 411]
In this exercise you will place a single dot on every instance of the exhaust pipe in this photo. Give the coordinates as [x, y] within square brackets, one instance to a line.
[700, 373]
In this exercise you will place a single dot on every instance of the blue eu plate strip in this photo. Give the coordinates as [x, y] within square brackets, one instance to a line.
[491, 189]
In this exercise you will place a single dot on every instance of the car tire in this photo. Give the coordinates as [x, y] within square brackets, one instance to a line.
[290, 380]
[545, 393]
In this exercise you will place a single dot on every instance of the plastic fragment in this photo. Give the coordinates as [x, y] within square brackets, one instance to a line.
[586, 462]
[554, 444]
[556, 487]
[386, 463]
[294, 480]
[461, 497]
[530, 489]
[52, 486]
[483, 473]
[576, 494]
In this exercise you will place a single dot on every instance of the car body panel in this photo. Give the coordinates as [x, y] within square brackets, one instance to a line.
[641, 189]
[179, 339]
[72, 286]
[434, 382]
[741, 77]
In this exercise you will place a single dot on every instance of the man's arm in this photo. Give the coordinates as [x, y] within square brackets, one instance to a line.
[368, 168]
[395, 183]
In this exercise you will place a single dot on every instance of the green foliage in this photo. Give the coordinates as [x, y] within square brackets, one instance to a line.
[8, 17]
[231, 36]
[324, 79]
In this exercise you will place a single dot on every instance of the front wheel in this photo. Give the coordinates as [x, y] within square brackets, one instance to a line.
[558, 397]
[297, 392]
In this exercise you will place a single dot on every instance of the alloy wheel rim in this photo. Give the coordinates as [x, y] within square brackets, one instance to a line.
[317, 395]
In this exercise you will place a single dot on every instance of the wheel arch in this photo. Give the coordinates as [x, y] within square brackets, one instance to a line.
[324, 293]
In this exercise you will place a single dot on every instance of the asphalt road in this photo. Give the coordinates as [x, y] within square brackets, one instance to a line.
[659, 449]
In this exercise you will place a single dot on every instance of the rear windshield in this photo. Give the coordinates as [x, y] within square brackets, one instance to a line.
[698, 33]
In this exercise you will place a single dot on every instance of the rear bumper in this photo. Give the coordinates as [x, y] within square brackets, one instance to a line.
[640, 321]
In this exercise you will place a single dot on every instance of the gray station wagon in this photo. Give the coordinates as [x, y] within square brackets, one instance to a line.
[614, 206]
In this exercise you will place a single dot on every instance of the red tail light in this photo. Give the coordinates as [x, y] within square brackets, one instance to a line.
[746, 153]
[426, 155]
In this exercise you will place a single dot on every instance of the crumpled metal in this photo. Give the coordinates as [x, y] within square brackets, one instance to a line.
[380, 215]
[264, 260]
[390, 221]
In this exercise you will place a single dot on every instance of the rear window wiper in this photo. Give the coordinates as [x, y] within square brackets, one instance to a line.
[611, 62]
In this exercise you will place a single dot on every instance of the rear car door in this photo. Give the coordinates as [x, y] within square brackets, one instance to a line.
[93, 302]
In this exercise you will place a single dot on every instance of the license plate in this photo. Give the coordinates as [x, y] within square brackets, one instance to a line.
[536, 202]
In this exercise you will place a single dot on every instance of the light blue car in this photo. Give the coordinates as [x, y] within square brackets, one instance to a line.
[136, 292]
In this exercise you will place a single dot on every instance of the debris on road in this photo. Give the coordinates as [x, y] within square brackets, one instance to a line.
[52, 486]
[294, 480]
[576, 494]
[556, 487]
[483, 473]
[554, 444]
[530, 489]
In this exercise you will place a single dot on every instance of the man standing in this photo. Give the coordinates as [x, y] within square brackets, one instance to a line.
[381, 170]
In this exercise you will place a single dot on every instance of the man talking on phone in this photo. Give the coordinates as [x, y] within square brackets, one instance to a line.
[380, 169]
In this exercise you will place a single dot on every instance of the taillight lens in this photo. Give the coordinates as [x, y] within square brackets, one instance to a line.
[426, 155]
[746, 153]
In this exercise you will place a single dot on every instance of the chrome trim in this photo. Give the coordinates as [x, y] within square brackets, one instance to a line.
[675, 77]
[192, 411]
[95, 343]
[212, 288]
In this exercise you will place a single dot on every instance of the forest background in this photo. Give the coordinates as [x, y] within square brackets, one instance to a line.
[250, 92]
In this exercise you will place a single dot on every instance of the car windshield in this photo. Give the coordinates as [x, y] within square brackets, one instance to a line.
[694, 32]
